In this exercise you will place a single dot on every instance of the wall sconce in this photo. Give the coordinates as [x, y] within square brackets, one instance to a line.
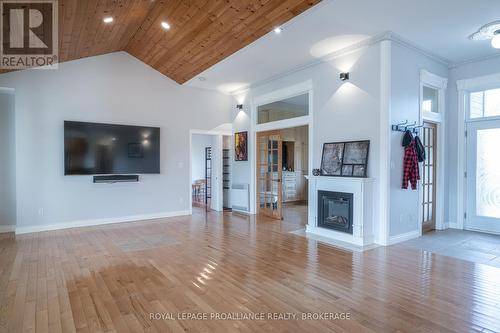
[344, 76]
[239, 106]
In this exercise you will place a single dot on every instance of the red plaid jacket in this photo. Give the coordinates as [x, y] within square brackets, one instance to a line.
[410, 167]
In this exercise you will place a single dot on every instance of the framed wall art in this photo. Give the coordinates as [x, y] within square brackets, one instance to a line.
[345, 159]
[241, 146]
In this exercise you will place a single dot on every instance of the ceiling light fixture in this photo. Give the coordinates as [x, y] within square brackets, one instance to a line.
[108, 19]
[495, 41]
[278, 30]
[488, 31]
[165, 25]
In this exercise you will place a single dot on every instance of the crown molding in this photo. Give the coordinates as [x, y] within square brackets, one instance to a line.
[474, 60]
[389, 35]
[414, 47]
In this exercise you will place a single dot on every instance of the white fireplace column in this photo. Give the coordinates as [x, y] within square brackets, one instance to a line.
[363, 208]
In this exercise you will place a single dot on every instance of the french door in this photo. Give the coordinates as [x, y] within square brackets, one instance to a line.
[429, 136]
[483, 176]
[269, 173]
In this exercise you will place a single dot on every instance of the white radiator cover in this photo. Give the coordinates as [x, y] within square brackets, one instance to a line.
[240, 197]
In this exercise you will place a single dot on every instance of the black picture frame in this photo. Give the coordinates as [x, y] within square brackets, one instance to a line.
[345, 159]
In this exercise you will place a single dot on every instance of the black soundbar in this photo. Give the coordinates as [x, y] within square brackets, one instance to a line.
[116, 179]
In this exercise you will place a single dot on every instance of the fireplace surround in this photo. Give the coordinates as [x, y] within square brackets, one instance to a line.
[342, 208]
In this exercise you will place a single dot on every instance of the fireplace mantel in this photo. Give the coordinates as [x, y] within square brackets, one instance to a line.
[363, 207]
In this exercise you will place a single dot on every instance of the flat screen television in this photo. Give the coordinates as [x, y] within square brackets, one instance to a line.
[107, 149]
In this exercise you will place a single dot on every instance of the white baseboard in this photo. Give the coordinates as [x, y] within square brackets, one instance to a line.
[88, 223]
[7, 228]
[404, 237]
[453, 225]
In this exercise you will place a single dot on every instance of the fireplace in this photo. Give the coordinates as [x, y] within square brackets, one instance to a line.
[335, 211]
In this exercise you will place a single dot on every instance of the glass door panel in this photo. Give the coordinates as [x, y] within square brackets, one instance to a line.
[483, 176]
[269, 173]
[429, 134]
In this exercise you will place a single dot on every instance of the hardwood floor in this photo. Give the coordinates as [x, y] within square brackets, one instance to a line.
[112, 278]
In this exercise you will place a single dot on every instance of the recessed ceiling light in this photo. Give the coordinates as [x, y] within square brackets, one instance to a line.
[278, 30]
[165, 25]
[108, 19]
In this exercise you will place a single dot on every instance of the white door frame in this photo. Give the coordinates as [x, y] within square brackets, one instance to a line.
[465, 87]
[219, 178]
[431, 80]
[274, 96]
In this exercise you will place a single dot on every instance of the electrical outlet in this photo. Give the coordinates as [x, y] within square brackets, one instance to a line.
[40, 211]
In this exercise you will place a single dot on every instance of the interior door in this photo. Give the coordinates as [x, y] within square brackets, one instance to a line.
[429, 135]
[483, 176]
[269, 173]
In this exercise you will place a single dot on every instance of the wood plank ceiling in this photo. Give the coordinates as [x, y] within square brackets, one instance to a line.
[202, 33]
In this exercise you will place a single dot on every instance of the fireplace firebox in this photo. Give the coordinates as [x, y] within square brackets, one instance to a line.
[335, 211]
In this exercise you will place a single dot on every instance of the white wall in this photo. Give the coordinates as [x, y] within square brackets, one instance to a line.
[342, 111]
[198, 144]
[113, 88]
[7, 162]
[405, 105]
[467, 71]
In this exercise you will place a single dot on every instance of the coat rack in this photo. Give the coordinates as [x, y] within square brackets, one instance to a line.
[403, 127]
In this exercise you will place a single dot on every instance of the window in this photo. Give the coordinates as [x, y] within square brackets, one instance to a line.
[430, 101]
[485, 104]
[293, 107]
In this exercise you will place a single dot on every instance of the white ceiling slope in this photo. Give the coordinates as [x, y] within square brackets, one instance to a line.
[442, 26]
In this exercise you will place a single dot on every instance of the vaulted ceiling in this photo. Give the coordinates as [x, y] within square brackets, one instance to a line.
[202, 33]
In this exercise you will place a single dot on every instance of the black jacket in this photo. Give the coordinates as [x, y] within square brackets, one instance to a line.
[407, 138]
[420, 149]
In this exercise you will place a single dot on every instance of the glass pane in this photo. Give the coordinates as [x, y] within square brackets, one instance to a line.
[297, 106]
[262, 171]
[492, 103]
[485, 103]
[488, 173]
[430, 212]
[430, 99]
[477, 104]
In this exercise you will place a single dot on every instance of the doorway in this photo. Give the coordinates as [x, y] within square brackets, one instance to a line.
[429, 177]
[483, 176]
[210, 170]
[270, 174]
[282, 164]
